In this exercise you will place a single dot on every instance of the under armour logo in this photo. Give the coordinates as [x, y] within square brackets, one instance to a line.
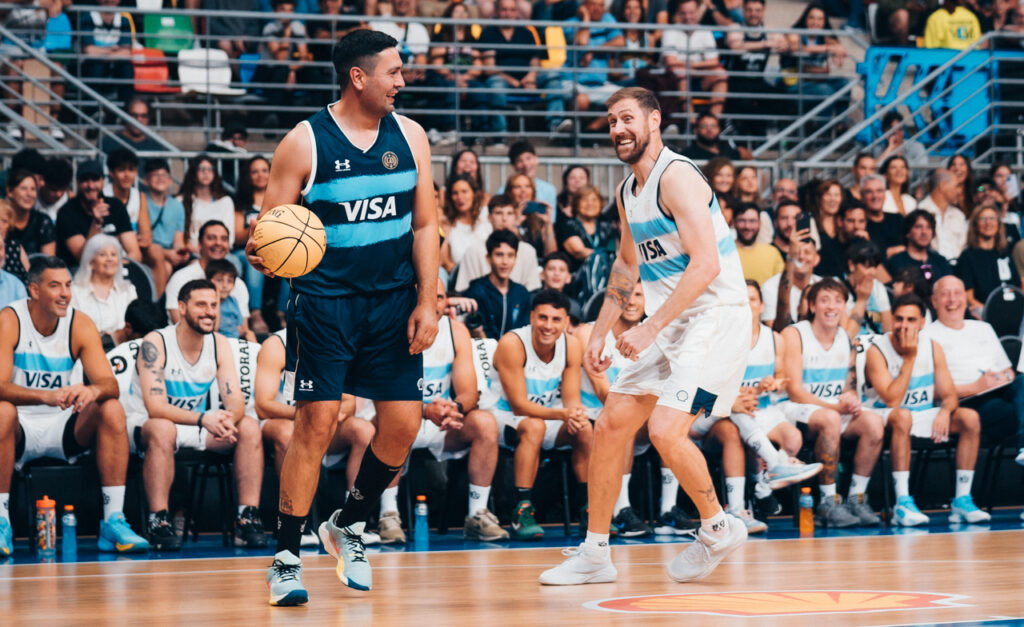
[342, 166]
[356, 494]
[305, 384]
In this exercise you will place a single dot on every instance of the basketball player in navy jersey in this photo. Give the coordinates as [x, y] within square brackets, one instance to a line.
[360, 320]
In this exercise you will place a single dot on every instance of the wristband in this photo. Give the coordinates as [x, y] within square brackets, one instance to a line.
[199, 423]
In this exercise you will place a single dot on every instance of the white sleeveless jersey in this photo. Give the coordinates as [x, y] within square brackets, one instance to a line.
[188, 385]
[122, 361]
[245, 354]
[921, 391]
[824, 372]
[437, 363]
[660, 252]
[543, 379]
[761, 364]
[587, 393]
[286, 390]
[41, 362]
[133, 206]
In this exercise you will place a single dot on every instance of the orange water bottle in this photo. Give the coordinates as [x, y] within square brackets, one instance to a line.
[46, 527]
[806, 513]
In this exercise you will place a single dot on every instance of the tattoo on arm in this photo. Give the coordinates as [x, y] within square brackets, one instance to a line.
[227, 389]
[620, 287]
[284, 503]
[149, 354]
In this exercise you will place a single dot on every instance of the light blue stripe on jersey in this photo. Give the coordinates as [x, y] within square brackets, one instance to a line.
[921, 381]
[652, 228]
[664, 268]
[590, 400]
[435, 373]
[755, 372]
[823, 375]
[367, 186]
[45, 363]
[503, 405]
[540, 387]
[726, 245]
[356, 234]
[186, 389]
[613, 374]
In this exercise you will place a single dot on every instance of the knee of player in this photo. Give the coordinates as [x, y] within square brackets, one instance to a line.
[792, 439]
[828, 421]
[8, 415]
[362, 433]
[484, 426]
[531, 430]
[874, 426]
[900, 420]
[159, 434]
[249, 431]
[970, 421]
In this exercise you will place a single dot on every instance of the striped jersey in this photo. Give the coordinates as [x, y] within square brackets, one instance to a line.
[364, 199]
[437, 363]
[921, 391]
[660, 252]
[824, 371]
[41, 362]
[761, 364]
[543, 378]
[587, 393]
[188, 384]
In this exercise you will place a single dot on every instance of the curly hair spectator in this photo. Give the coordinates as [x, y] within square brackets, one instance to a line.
[585, 233]
[99, 289]
[918, 233]
[465, 218]
[721, 173]
[986, 263]
[203, 195]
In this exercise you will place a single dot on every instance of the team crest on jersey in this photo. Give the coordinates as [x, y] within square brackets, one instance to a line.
[390, 160]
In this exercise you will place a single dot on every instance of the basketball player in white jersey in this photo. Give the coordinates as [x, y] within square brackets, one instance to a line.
[44, 414]
[819, 364]
[538, 367]
[175, 369]
[688, 355]
[907, 373]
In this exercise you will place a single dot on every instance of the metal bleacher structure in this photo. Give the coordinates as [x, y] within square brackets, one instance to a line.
[959, 102]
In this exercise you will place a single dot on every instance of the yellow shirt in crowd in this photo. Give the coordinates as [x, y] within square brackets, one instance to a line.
[956, 30]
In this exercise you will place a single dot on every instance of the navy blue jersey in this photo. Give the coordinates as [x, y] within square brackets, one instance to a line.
[365, 200]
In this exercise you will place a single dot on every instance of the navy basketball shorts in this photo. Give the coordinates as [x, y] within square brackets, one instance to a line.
[353, 344]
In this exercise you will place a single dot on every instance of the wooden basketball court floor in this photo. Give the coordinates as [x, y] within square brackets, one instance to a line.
[972, 576]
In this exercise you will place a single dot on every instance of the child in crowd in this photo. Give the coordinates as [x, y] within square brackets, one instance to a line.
[232, 323]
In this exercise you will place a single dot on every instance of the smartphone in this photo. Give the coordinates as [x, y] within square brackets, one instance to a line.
[534, 207]
[803, 222]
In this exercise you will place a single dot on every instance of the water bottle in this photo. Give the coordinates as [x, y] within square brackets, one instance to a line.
[69, 526]
[806, 513]
[46, 527]
[421, 529]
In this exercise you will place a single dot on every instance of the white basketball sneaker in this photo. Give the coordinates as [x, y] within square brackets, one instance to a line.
[584, 565]
[705, 553]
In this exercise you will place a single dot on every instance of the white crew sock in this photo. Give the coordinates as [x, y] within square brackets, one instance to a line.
[669, 490]
[478, 495]
[717, 526]
[828, 490]
[735, 489]
[964, 480]
[5, 505]
[901, 478]
[755, 437]
[389, 500]
[597, 542]
[113, 500]
[623, 500]
[858, 485]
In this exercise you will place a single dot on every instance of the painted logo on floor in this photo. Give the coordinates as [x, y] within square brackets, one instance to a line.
[780, 603]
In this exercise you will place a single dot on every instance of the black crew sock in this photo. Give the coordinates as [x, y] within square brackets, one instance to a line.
[374, 476]
[524, 494]
[289, 533]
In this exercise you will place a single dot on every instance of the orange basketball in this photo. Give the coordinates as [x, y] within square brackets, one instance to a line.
[291, 240]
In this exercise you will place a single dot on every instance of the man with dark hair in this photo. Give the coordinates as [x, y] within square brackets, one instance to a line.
[786, 214]
[884, 229]
[502, 303]
[851, 224]
[131, 136]
[523, 157]
[166, 213]
[555, 275]
[141, 317]
[752, 47]
[46, 411]
[360, 320]
[896, 144]
[950, 221]
[863, 164]
[123, 167]
[502, 214]
[760, 261]
[708, 142]
[537, 371]
[213, 244]
[868, 307]
[918, 233]
[53, 193]
[89, 213]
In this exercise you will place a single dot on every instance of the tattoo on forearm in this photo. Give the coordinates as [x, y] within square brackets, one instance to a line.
[709, 494]
[620, 288]
[227, 389]
[157, 391]
[149, 354]
[284, 503]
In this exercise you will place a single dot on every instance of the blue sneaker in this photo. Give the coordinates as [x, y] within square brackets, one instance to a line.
[792, 472]
[907, 513]
[284, 579]
[965, 511]
[6, 538]
[346, 544]
[116, 535]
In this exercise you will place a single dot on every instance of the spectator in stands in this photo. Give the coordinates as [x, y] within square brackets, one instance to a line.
[131, 136]
[897, 186]
[25, 159]
[214, 243]
[911, 280]
[903, 18]
[918, 234]
[784, 190]
[141, 317]
[31, 228]
[105, 38]
[863, 165]
[826, 225]
[963, 175]
[987, 193]
[11, 287]
[636, 58]
[167, 214]
[986, 263]
[972, 347]
[813, 55]
[91, 212]
[233, 34]
[692, 56]
[15, 258]
[233, 322]
[523, 157]
[502, 215]
[759, 261]
[652, 12]
[1002, 174]
[950, 221]
[1014, 24]
[896, 143]
[234, 139]
[751, 46]
[100, 289]
[585, 234]
[951, 26]
[786, 214]
[868, 307]
[53, 193]
[708, 144]
[465, 220]
[454, 62]
[203, 195]
[598, 30]
[885, 229]
[721, 173]
[27, 20]
[574, 178]
[746, 188]
[283, 55]
[782, 291]
[535, 219]
[502, 303]
[555, 275]
[467, 162]
[413, 38]
[325, 32]
[248, 201]
[123, 166]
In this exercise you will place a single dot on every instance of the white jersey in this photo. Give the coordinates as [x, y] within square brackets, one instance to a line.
[543, 379]
[824, 371]
[587, 393]
[133, 206]
[188, 384]
[437, 363]
[41, 362]
[286, 390]
[122, 362]
[245, 354]
[660, 252]
[921, 391]
[761, 364]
